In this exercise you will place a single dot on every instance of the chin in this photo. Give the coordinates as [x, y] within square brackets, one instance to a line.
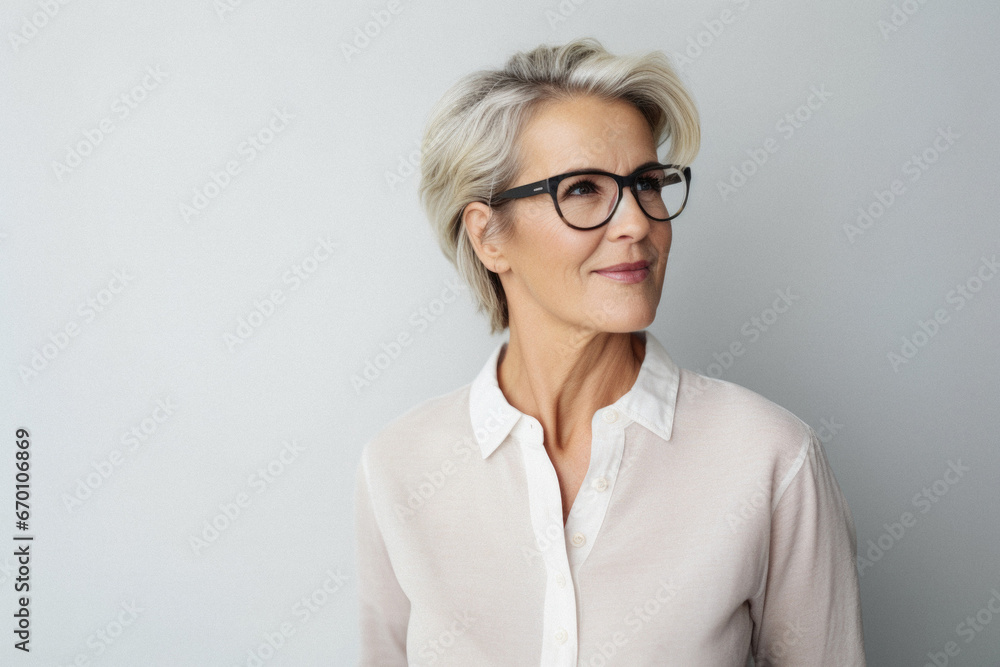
[624, 319]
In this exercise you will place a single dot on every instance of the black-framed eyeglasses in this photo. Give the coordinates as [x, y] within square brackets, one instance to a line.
[588, 198]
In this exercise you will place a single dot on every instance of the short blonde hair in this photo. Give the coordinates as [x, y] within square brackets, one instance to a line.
[470, 149]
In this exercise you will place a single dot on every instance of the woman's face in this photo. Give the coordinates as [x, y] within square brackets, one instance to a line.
[550, 270]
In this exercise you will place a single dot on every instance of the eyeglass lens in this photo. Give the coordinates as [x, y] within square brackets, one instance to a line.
[586, 200]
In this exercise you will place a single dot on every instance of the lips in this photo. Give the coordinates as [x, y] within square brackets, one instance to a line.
[633, 266]
[629, 273]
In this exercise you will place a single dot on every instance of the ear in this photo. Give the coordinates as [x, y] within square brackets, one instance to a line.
[475, 215]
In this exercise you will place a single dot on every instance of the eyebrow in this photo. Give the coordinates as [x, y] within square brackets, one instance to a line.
[644, 165]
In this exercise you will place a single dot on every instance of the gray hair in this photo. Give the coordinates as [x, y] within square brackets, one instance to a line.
[470, 149]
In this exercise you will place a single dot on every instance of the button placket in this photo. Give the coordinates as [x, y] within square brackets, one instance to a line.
[583, 524]
[545, 504]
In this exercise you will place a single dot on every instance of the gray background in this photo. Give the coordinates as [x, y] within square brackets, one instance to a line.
[357, 118]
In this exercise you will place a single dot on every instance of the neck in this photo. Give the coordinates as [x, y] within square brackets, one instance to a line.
[563, 377]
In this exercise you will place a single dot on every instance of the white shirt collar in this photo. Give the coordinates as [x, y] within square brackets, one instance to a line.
[650, 402]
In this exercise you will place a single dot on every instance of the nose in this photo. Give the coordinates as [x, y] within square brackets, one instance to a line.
[629, 219]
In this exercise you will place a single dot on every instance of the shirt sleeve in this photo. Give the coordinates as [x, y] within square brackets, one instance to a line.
[384, 607]
[809, 610]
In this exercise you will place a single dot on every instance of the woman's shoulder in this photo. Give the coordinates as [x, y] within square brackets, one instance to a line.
[424, 430]
[740, 415]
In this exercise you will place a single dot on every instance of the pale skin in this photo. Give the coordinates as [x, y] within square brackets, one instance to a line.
[570, 351]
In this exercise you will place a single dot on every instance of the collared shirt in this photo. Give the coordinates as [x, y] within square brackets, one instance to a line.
[709, 525]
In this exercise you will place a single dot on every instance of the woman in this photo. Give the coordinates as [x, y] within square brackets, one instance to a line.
[584, 501]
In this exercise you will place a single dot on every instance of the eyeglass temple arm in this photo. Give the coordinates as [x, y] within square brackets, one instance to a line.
[686, 171]
[528, 190]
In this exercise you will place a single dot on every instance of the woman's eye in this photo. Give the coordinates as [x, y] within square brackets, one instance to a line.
[649, 184]
[581, 188]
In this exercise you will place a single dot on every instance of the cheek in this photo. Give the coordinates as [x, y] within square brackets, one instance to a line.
[663, 243]
[535, 213]
[560, 252]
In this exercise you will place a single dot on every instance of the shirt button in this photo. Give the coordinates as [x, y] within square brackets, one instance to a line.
[560, 580]
[562, 636]
[610, 416]
[600, 483]
[579, 539]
